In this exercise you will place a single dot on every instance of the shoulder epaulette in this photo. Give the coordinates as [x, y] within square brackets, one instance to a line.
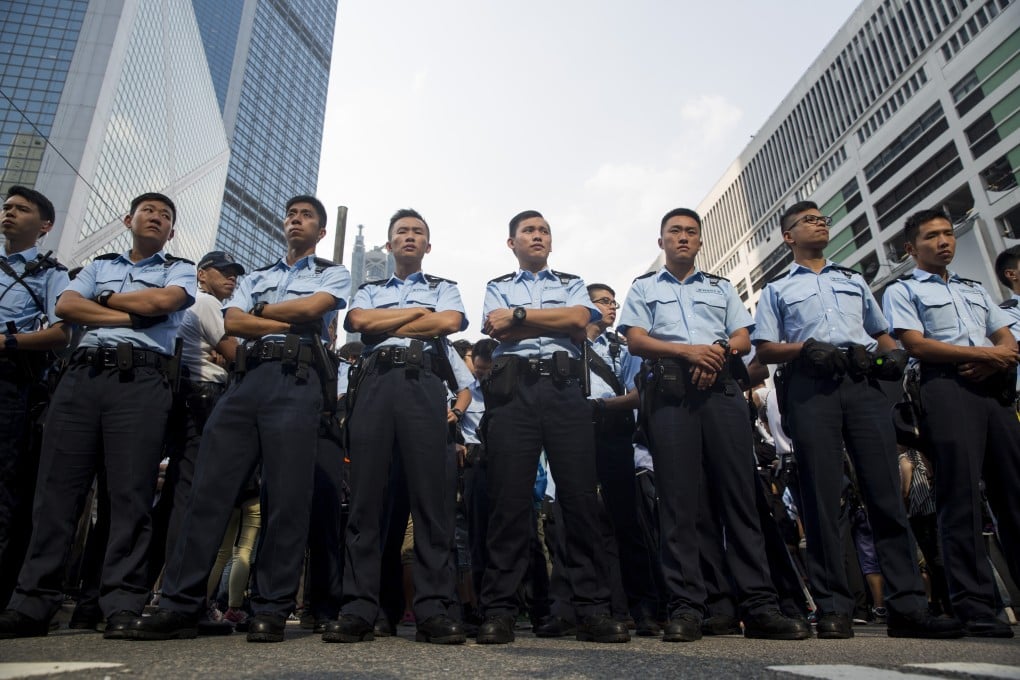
[905, 277]
[266, 268]
[780, 277]
[845, 271]
[170, 259]
[1009, 304]
[645, 275]
[377, 282]
[322, 264]
[970, 282]
[107, 256]
[505, 277]
[436, 280]
[564, 277]
[714, 279]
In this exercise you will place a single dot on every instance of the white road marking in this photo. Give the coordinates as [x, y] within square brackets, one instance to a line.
[847, 672]
[26, 670]
[984, 670]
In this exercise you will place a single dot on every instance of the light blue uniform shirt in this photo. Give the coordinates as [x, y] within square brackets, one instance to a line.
[834, 306]
[281, 282]
[1013, 312]
[473, 414]
[546, 290]
[121, 275]
[957, 312]
[17, 304]
[697, 311]
[624, 365]
[417, 290]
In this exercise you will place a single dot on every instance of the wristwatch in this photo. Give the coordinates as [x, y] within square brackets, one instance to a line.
[725, 344]
[104, 298]
[520, 314]
[457, 412]
[257, 309]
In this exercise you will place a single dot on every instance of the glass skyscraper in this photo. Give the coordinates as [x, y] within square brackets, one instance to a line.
[273, 99]
[217, 104]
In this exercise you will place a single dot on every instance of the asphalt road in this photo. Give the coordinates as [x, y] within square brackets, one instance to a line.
[304, 655]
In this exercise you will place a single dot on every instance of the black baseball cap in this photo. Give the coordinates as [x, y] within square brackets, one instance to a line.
[221, 261]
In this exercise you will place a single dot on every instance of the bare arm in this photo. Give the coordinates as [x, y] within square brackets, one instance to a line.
[778, 352]
[623, 402]
[300, 310]
[572, 320]
[74, 308]
[376, 321]
[149, 302]
[1001, 356]
[227, 347]
[245, 325]
[431, 324]
[462, 402]
[709, 357]
[55, 337]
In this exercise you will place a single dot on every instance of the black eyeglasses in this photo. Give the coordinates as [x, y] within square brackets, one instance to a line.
[608, 302]
[813, 219]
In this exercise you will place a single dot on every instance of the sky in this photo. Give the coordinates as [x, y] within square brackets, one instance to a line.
[601, 115]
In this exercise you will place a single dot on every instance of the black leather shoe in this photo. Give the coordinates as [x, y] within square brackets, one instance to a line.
[772, 624]
[384, 627]
[986, 626]
[720, 624]
[834, 627]
[14, 624]
[682, 628]
[602, 629]
[117, 625]
[440, 630]
[554, 627]
[164, 624]
[647, 627]
[921, 624]
[496, 630]
[85, 617]
[266, 628]
[349, 628]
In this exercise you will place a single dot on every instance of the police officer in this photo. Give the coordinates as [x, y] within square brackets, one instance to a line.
[29, 285]
[823, 322]
[269, 415]
[1008, 273]
[968, 360]
[613, 398]
[534, 400]
[109, 409]
[689, 324]
[399, 418]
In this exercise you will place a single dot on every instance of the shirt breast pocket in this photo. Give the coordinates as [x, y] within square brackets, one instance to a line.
[937, 311]
[710, 310]
[263, 291]
[154, 278]
[803, 309]
[554, 297]
[977, 308]
[850, 301]
[666, 312]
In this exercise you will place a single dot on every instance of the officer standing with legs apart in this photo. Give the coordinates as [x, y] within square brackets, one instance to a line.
[270, 416]
[109, 409]
[968, 361]
[29, 285]
[690, 325]
[534, 399]
[822, 321]
[399, 418]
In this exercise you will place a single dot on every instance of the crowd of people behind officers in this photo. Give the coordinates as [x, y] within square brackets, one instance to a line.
[599, 481]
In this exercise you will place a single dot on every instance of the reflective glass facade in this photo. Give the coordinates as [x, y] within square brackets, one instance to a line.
[36, 46]
[165, 133]
[277, 128]
[219, 23]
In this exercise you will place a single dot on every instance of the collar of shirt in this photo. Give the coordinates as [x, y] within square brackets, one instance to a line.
[25, 255]
[922, 275]
[524, 275]
[125, 258]
[416, 277]
[305, 261]
[797, 268]
[698, 275]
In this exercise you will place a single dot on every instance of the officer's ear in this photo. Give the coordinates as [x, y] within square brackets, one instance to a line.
[788, 237]
[170, 236]
[45, 228]
[127, 220]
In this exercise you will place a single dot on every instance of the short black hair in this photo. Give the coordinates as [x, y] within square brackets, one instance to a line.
[912, 227]
[679, 212]
[352, 350]
[43, 204]
[407, 212]
[155, 196]
[483, 349]
[520, 217]
[1007, 259]
[462, 346]
[600, 286]
[797, 208]
[320, 209]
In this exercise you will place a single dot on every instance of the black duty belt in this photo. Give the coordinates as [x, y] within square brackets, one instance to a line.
[536, 366]
[275, 351]
[111, 357]
[202, 387]
[400, 356]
